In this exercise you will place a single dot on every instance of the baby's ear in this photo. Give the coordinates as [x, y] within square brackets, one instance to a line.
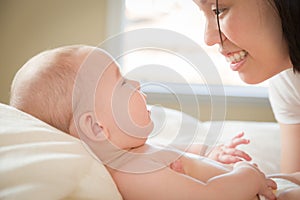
[91, 128]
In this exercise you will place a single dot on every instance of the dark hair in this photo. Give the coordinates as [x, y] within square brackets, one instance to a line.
[289, 13]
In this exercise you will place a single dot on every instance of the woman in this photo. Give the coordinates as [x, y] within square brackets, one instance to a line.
[260, 40]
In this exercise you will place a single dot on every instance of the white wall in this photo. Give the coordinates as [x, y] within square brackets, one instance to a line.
[30, 26]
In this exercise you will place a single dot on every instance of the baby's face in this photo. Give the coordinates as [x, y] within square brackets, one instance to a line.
[121, 107]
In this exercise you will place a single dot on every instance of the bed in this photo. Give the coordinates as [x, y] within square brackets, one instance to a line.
[38, 161]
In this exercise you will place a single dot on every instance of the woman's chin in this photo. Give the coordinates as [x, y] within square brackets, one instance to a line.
[252, 79]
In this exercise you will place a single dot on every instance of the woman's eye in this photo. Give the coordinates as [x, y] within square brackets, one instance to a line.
[123, 82]
[218, 11]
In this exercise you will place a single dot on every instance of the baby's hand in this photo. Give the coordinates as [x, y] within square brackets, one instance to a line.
[267, 185]
[228, 154]
[177, 166]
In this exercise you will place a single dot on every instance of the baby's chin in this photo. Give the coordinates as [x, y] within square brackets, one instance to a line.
[151, 127]
[147, 130]
[139, 131]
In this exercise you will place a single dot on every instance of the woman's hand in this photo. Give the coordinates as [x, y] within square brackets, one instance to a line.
[228, 153]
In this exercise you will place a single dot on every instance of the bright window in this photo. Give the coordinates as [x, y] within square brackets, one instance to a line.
[181, 16]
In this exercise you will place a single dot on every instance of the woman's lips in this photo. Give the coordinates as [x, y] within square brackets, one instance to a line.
[236, 59]
[237, 66]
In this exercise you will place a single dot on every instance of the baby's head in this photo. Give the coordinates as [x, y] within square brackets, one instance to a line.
[43, 86]
[79, 90]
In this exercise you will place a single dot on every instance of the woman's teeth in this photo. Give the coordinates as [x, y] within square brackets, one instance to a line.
[236, 57]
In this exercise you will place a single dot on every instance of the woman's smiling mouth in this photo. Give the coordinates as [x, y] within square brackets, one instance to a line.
[236, 59]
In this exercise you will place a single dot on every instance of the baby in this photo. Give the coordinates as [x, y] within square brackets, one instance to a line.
[79, 90]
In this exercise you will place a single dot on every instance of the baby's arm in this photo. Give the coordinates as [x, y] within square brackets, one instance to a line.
[200, 170]
[243, 182]
[199, 167]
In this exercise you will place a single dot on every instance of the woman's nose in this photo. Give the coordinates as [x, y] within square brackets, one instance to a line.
[212, 33]
[135, 84]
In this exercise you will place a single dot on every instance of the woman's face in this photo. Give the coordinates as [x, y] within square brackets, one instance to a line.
[252, 37]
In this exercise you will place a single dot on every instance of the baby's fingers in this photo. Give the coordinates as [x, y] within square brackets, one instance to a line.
[177, 166]
[237, 153]
[268, 192]
[228, 159]
[271, 184]
[237, 140]
[239, 135]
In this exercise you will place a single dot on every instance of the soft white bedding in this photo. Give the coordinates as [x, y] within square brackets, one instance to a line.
[39, 162]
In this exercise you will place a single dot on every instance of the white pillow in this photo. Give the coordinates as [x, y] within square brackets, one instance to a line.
[38, 161]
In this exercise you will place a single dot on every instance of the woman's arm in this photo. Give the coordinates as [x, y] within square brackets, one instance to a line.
[290, 148]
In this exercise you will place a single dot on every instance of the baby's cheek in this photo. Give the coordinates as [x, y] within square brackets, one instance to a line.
[138, 111]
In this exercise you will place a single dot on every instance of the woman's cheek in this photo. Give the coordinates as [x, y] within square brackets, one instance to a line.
[232, 29]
